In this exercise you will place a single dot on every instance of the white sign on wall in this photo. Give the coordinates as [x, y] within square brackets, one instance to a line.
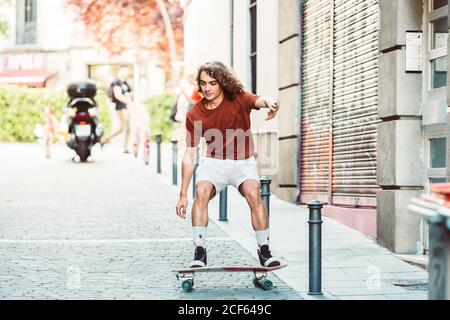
[22, 61]
[414, 46]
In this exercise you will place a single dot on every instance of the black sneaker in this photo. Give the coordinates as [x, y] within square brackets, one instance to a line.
[199, 258]
[266, 258]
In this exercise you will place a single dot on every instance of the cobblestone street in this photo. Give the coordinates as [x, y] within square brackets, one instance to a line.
[104, 230]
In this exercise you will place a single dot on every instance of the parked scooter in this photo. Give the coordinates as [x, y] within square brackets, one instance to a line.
[84, 127]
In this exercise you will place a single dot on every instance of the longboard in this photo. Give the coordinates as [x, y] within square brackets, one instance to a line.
[260, 272]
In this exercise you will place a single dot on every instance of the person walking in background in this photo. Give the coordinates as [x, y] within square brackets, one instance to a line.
[222, 118]
[190, 91]
[120, 94]
[50, 129]
[187, 97]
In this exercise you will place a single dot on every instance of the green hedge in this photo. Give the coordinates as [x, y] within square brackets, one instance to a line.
[102, 101]
[22, 108]
[159, 108]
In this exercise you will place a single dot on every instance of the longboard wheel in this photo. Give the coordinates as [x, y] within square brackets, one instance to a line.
[255, 282]
[187, 285]
[266, 284]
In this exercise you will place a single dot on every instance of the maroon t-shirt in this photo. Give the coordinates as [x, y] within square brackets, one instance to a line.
[226, 128]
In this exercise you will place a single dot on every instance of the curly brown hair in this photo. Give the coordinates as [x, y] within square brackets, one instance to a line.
[226, 78]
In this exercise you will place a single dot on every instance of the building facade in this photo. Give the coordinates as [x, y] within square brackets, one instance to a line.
[47, 46]
[363, 91]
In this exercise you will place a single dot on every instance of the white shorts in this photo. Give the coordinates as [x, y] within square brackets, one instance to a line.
[222, 173]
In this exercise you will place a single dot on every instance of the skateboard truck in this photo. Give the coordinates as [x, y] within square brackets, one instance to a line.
[261, 280]
[188, 280]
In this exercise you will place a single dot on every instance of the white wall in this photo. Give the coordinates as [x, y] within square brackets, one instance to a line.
[53, 29]
[206, 33]
[267, 59]
[207, 37]
[241, 35]
[267, 53]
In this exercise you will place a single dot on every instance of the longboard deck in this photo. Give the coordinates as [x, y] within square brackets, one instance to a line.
[226, 268]
[260, 274]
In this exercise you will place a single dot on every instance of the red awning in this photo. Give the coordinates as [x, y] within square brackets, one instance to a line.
[30, 78]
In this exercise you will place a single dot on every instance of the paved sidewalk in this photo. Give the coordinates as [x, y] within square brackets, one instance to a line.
[104, 230]
[354, 265]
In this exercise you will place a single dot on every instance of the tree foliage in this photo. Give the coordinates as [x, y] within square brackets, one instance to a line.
[3, 22]
[138, 25]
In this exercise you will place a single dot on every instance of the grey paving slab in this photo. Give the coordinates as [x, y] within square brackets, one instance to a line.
[413, 296]
[122, 236]
[105, 230]
[347, 262]
[364, 297]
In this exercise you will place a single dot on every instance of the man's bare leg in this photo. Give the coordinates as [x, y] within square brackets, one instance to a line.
[122, 127]
[204, 191]
[127, 127]
[250, 189]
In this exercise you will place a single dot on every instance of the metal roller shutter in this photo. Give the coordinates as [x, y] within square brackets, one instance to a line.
[349, 80]
[355, 102]
[315, 123]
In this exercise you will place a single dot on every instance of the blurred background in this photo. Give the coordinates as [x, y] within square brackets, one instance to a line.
[45, 45]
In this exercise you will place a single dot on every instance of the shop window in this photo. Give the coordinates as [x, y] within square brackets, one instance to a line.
[439, 72]
[437, 152]
[438, 4]
[26, 22]
[437, 44]
[437, 180]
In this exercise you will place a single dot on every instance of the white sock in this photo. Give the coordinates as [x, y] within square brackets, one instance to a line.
[262, 237]
[199, 234]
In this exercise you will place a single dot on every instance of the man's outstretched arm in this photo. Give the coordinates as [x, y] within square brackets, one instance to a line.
[271, 104]
[120, 96]
[187, 170]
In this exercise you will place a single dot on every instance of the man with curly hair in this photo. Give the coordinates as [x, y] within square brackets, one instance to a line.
[222, 118]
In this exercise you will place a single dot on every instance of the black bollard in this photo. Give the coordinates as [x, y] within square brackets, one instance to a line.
[265, 192]
[223, 205]
[158, 152]
[315, 247]
[194, 177]
[174, 163]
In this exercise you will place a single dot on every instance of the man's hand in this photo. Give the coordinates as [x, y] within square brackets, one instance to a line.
[181, 206]
[129, 98]
[273, 108]
[187, 169]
